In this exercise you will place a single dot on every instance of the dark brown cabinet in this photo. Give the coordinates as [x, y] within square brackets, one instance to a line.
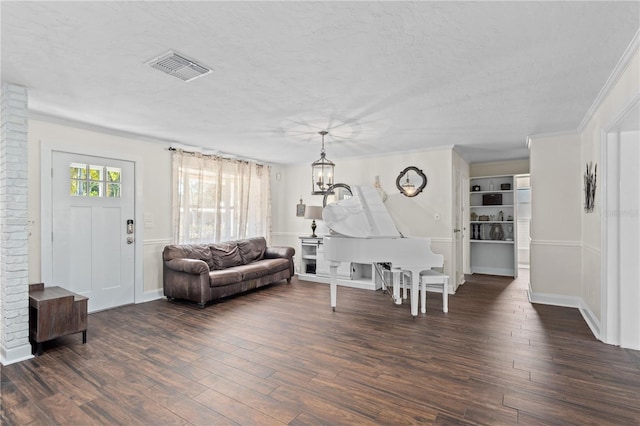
[55, 312]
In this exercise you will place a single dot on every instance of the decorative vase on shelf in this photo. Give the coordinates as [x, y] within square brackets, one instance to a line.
[491, 185]
[509, 233]
[496, 232]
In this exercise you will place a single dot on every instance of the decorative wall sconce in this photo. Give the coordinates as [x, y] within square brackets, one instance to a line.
[590, 178]
[300, 209]
[411, 181]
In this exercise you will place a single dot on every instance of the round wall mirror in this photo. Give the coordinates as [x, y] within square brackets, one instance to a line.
[411, 181]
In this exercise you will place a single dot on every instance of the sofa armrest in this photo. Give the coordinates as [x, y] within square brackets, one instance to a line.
[184, 278]
[277, 252]
[190, 266]
[282, 252]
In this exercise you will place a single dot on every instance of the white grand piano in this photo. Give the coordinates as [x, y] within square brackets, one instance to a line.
[364, 232]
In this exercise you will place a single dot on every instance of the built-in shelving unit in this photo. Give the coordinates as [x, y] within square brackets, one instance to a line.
[492, 219]
[313, 267]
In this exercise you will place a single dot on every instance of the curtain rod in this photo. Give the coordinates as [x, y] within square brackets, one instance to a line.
[214, 155]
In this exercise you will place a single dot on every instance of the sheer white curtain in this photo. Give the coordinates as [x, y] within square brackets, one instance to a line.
[218, 199]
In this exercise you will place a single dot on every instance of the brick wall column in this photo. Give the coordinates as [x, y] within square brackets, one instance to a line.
[14, 233]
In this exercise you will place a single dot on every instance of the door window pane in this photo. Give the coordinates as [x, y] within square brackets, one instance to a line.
[94, 180]
[78, 187]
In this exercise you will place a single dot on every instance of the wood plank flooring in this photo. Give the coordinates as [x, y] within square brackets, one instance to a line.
[281, 356]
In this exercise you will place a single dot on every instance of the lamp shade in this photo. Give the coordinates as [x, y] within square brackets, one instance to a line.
[313, 212]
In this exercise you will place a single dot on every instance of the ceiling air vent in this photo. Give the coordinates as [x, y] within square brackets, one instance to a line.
[179, 66]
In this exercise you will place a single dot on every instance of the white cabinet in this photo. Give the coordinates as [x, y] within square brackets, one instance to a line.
[492, 219]
[309, 255]
[314, 267]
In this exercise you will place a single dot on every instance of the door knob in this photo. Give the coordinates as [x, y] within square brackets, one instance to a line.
[129, 240]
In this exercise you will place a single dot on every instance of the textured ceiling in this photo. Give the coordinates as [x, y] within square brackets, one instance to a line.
[382, 77]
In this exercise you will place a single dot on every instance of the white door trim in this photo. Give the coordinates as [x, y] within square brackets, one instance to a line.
[609, 228]
[46, 151]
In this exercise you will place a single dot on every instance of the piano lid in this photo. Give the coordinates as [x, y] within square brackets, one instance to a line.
[364, 215]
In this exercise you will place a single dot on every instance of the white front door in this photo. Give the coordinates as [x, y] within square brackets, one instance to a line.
[92, 251]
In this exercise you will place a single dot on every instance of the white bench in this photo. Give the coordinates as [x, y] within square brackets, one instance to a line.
[428, 279]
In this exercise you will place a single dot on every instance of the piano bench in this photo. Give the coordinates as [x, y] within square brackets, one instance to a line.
[430, 279]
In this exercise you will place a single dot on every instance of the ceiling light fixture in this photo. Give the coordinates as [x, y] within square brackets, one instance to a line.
[179, 66]
[409, 188]
[322, 172]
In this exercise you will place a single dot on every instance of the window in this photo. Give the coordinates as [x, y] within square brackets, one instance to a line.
[89, 180]
[217, 199]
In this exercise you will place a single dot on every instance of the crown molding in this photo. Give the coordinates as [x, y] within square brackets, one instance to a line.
[54, 119]
[551, 135]
[619, 69]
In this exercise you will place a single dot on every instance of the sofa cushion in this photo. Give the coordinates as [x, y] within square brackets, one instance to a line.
[253, 270]
[222, 277]
[261, 268]
[225, 255]
[188, 251]
[252, 249]
[275, 265]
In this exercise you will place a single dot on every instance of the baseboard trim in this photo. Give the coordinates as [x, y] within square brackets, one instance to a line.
[591, 320]
[568, 302]
[149, 296]
[554, 299]
[493, 271]
[13, 355]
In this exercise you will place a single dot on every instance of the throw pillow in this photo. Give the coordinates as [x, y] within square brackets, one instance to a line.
[252, 249]
[225, 255]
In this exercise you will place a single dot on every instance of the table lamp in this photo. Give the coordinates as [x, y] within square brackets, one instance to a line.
[313, 212]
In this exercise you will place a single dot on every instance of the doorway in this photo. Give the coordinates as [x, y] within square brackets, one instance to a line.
[523, 224]
[130, 265]
[92, 253]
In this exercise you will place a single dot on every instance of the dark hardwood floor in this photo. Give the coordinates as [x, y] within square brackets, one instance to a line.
[281, 356]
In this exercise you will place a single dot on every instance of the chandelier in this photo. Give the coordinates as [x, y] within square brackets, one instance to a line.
[322, 176]
[408, 187]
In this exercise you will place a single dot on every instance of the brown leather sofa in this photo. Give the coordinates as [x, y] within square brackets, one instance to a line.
[203, 273]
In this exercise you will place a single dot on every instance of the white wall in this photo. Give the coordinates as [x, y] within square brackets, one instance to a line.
[566, 241]
[413, 216]
[618, 97]
[156, 187]
[556, 203]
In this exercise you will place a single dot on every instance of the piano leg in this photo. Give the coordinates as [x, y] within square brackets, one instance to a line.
[423, 297]
[333, 282]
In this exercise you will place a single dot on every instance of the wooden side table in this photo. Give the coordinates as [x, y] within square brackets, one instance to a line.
[55, 312]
